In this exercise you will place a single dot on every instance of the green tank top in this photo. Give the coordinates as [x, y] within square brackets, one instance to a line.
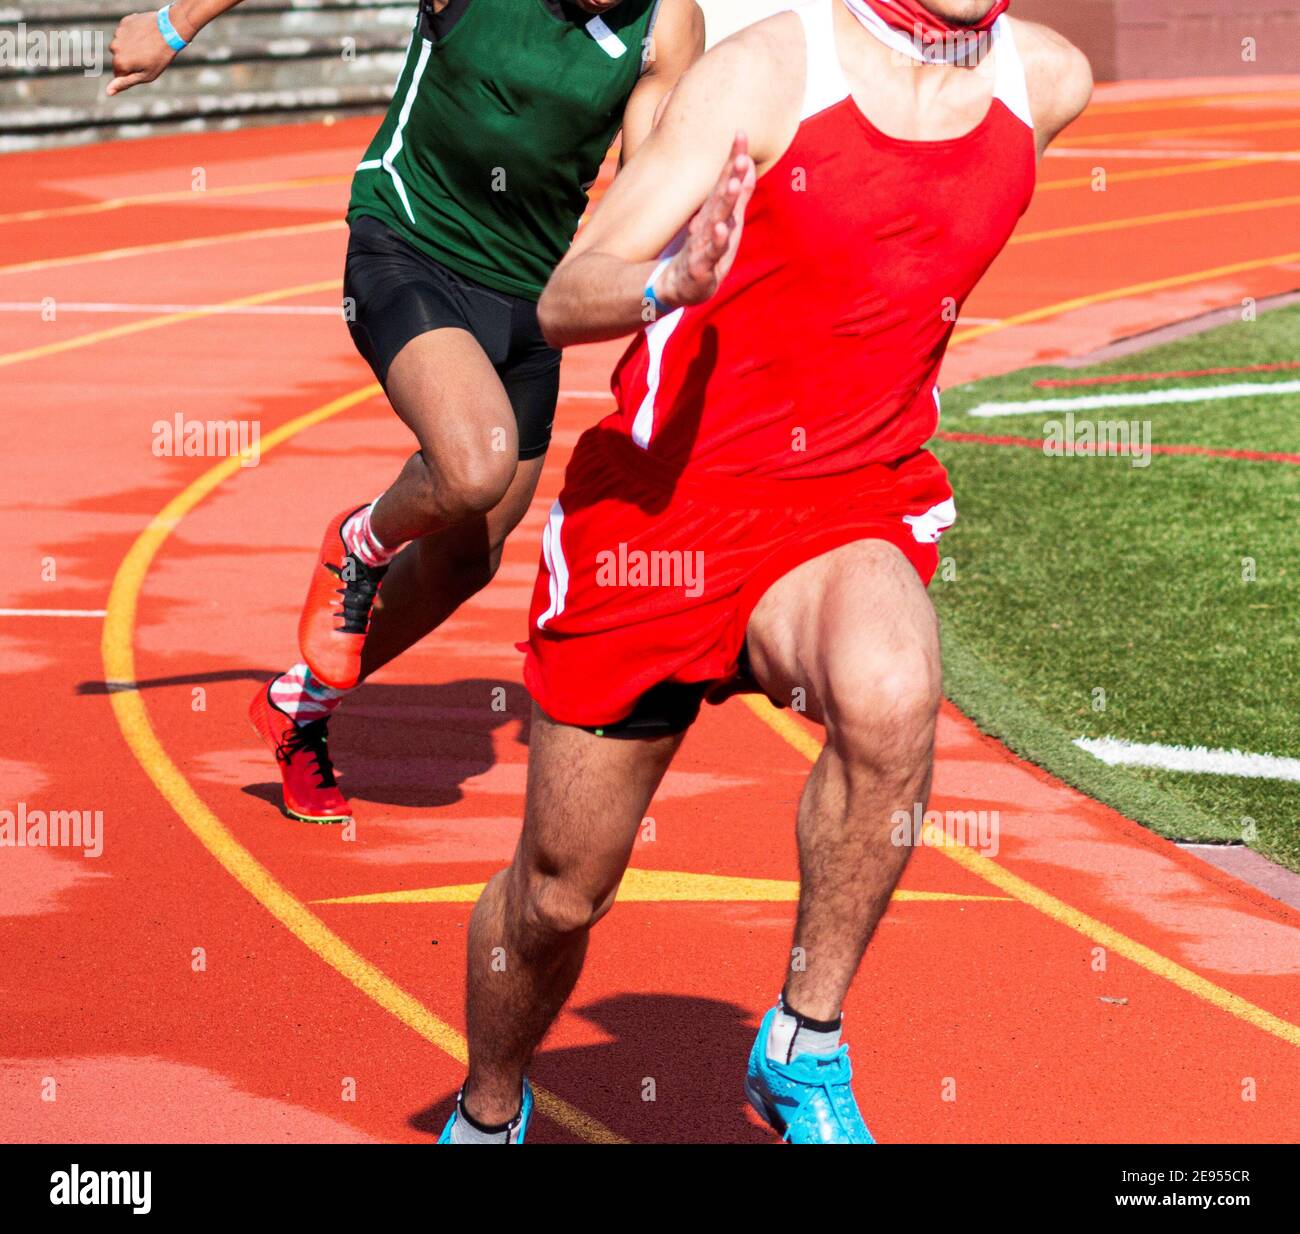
[496, 132]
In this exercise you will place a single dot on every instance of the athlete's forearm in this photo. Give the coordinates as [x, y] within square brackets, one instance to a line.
[595, 296]
[141, 50]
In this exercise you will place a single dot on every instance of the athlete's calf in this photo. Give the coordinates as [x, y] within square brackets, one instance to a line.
[528, 935]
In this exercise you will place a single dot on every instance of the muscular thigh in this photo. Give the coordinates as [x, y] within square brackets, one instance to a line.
[852, 624]
[434, 340]
[587, 796]
[447, 392]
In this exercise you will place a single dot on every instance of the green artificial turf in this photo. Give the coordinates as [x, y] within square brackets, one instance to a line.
[1085, 596]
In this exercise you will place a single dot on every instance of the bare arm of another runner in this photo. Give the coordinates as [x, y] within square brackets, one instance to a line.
[1058, 77]
[140, 53]
[728, 116]
[676, 44]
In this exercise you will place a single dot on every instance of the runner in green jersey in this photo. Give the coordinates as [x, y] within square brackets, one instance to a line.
[463, 204]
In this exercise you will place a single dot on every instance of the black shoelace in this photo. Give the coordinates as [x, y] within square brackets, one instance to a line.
[360, 586]
[311, 738]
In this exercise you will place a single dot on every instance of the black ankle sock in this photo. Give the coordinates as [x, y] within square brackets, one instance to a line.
[817, 1026]
[485, 1128]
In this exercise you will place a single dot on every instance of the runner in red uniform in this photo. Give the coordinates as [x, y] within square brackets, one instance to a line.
[787, 414]
[761, 511]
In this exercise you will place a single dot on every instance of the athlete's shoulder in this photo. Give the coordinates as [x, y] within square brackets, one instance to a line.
[748, 80]
[679, 14]
[1057, 74]
[774, 26]
[676, 42]
[763, 55]
[679, 24]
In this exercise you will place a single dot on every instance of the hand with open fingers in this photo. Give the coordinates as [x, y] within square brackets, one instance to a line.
[140, 53]
[713, 235]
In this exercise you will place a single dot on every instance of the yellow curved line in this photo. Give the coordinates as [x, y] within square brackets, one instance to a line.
[1149, 220]
[170, 246]
[164, 319]
[153, 199]
[133, 719]
[1119, 293]
[789, 729]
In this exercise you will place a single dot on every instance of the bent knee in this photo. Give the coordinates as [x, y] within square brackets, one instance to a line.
[882, 707]
[470, 484]
[554, 905]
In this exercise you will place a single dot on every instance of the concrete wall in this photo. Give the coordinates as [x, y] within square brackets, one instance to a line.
[265, 62]
[1128, 40]
[272, 60]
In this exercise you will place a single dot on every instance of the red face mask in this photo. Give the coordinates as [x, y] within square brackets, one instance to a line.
[907, 15]
[916, 23]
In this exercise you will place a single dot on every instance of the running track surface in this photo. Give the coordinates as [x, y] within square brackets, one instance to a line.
[974, 1019]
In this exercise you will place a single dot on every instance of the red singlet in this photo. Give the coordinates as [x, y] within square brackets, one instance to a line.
[819, 353]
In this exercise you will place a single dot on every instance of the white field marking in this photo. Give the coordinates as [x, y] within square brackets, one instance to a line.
[1192, 156]
[1146, 398]
[52, 612]
[1115, 752]
[90, 306]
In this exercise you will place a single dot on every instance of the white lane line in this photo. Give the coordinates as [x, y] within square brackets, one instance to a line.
[1146, 398]
[1192, 156]
[1115, 752]
[52, 612]
[87, 306]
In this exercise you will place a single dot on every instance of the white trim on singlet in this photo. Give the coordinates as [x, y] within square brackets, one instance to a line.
[1009, 84]
[557, 568]
[656, 339]
[657, 335]
[826, 84]
[395, 146]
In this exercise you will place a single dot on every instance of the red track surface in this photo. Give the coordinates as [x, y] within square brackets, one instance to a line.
[1001, 996]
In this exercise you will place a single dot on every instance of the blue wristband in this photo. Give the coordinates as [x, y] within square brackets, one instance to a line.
[168, 31]
[651, 297]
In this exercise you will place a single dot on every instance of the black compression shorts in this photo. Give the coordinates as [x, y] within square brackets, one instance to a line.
[395, 293]
[672, 707]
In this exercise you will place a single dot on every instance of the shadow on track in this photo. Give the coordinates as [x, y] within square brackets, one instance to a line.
[672, 1073]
